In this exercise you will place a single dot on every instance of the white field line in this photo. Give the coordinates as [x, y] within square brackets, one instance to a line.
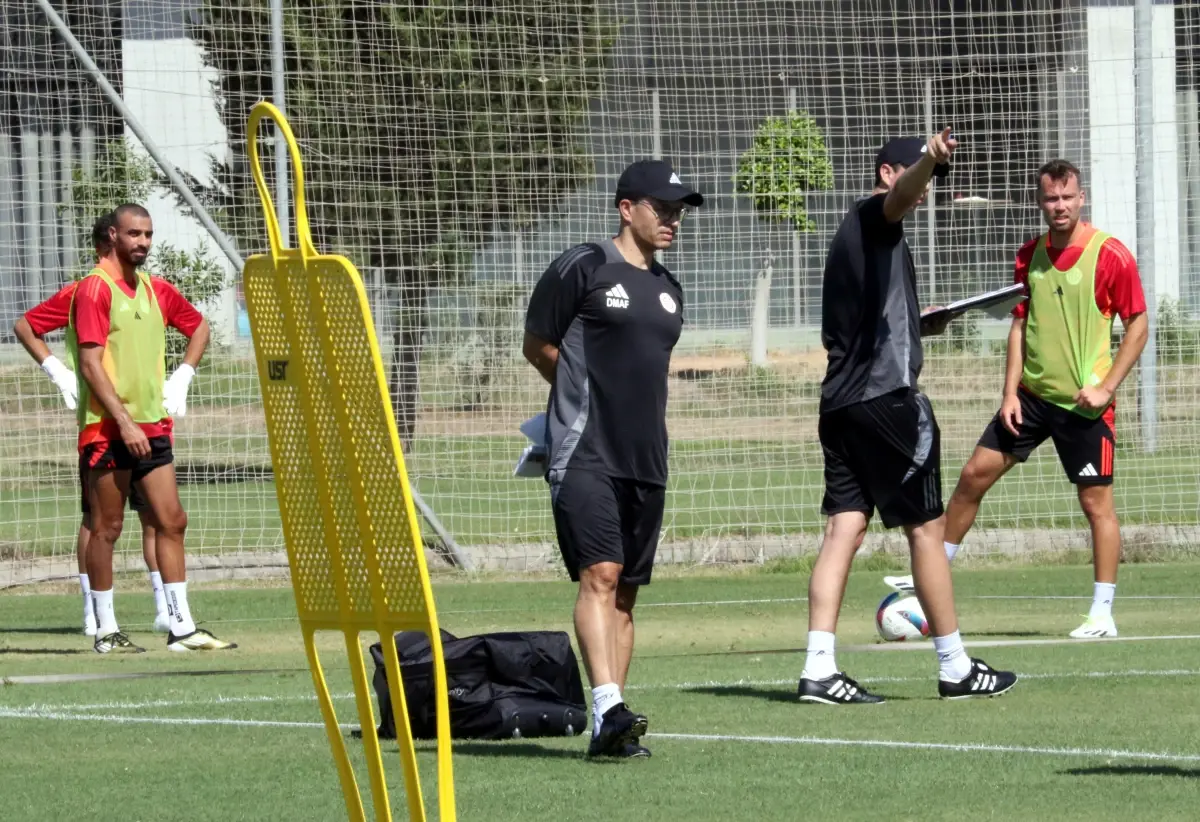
[668, 686]
[469, 611]
[1012, 643]
[751, 683]
[878, 646]
[61, 716]
[1055, 596]
[724, 602]
[1100, 753]
[1091, 753]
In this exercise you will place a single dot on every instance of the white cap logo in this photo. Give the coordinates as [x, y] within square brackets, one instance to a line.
[667, 302]
[675, 179]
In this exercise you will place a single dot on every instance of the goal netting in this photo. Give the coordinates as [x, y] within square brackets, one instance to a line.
[454, 148]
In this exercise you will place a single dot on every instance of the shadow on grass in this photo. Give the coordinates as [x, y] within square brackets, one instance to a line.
[43, 629]
[762, 652]
[46, 651]
[518, 749]
[1135, 770]
[768, 694]
[498, 748]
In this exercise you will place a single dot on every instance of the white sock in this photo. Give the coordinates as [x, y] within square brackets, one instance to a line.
[106, 619]
[820, 662]
[603, 698]
[953, 663]
[160, 598]
[951, 550]
[1102, 599]
[177, 608]
[85, 585]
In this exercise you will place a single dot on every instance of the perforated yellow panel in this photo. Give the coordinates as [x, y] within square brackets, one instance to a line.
[351, 466]
[351, 531]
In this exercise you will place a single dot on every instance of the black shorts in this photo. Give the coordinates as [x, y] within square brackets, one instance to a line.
[113, 455]
[883, 454]
[604, 519]
[136, 503]
[1085, 446]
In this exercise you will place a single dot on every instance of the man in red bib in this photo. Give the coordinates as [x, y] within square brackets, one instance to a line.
[52, 315]
[1061, 377]
[117, 341]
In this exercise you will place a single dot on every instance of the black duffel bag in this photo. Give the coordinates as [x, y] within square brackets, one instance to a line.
[501, 686]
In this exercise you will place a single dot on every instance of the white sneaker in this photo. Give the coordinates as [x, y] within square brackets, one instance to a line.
[162, 623]
[89, 625]
[902, 584]
[1095, 628]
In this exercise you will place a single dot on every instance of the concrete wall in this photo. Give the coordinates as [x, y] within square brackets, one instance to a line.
[1112, 175]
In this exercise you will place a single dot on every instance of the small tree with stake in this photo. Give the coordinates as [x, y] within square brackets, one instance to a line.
[787, 160]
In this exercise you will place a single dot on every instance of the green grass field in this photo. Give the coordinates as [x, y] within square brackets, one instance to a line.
[744, 457]
[1095, 731]
[718, 488]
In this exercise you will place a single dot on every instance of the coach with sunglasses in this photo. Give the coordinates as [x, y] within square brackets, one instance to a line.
[601, 325]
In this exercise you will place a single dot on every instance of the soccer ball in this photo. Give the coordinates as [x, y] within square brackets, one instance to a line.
[901, 617]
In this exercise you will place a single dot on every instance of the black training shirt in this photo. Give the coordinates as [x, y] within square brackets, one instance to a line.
[870, 319]
[615, 326]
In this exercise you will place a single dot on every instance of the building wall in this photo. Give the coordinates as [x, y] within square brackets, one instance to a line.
[51, 118]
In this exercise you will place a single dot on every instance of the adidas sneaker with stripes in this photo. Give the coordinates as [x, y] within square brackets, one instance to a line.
[838, 689]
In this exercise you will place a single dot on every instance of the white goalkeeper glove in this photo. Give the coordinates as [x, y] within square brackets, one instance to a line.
[64, 378]
[175, 390]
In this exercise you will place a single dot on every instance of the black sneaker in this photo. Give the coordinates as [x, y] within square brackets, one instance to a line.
[630, 750]
[116, 641]
[618, 727]
[838, 689]
[983, 681]
[634, 750]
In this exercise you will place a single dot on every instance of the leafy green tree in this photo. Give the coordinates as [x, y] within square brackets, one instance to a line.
[786, 161]
[123, 174]
[427, 130]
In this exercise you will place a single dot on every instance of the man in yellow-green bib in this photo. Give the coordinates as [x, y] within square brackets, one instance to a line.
[1061, 377]
[116, 338]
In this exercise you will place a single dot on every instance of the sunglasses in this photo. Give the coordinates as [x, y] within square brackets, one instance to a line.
[666, 212]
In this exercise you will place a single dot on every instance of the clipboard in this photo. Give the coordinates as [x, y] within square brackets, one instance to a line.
[996, 304]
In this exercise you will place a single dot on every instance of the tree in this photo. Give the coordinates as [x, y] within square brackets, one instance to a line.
[787, 160]
[123, 174]
[427, 130]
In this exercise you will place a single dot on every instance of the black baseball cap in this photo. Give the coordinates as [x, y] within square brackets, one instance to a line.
[654, 178]
[906, 151]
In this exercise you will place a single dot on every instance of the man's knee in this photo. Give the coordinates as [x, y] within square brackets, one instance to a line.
[173, 524]
[601, 578]
[846, 529]
[107, 528]
[1097, 502]
[980, 473]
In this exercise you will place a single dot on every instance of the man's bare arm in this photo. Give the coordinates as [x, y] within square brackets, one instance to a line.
[542, 355]
[1015, 363]
[1137, 331]
[91, 368]
[197, 344]
[34, 344]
